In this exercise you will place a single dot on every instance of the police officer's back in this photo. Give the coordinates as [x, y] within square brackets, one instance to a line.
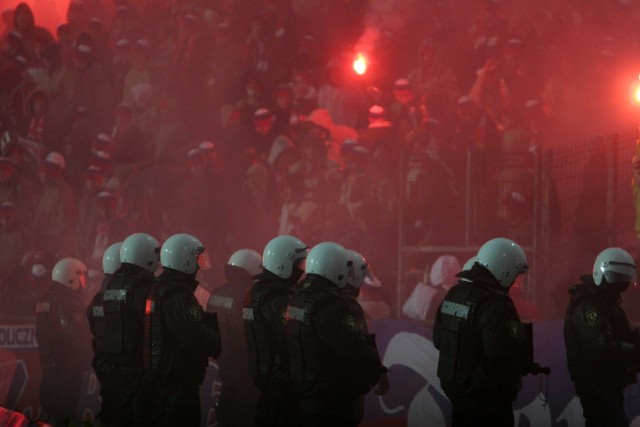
[602, 349]
[95, 310]
[482, 343]
[116, 316]
[238, 396]
[263, 315]
[63, 341]
[331, 362]
[179, 335]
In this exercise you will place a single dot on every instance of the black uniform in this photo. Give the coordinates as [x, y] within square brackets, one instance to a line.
[484, 351]
[602, 352]
[263, 315]
[238, 396]
[332, 364]
[116, 318]
[179, 338]
[65, 354]
[351, 296]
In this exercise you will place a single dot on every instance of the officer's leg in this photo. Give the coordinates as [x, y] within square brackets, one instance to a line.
[329, 411]
[604, 411]
[482, 412]
[263, 410]
[464, 412]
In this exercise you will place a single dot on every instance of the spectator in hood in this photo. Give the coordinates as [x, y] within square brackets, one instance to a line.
[18, 190]
[90, 99]
[24, 23]
[345, 100]
[13, 239]
[55, 212]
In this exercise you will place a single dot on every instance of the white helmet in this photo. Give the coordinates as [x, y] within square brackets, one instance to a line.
[469, 263]
[70, 272]
[111, 258]
[247, 259]
[331, 261]
[360, 270]
[614, 265]
[468, 266]
[141, 249]
[282, 253]
[184, 252]
[504, 259]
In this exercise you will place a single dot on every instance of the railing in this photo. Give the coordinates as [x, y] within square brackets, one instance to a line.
[562, 206]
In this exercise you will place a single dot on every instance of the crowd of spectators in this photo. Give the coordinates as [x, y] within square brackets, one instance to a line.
[237, 120]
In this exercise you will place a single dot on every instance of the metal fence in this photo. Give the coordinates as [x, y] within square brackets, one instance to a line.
[563, 207]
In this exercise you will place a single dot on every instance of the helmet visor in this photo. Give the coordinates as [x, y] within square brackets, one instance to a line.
[360, 275]
[302, 252]
[300, 264]
[204, 263]
[520, 281]
[618, 277]
[619, 272]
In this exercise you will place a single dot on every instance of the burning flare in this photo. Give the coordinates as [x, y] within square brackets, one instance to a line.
[360, 64]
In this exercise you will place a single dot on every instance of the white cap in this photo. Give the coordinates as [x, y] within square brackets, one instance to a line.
[85, 49]
[56, 159]
[207, 145]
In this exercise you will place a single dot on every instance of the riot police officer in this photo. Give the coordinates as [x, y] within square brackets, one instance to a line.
[63, 341]
[602, 349]
[116, 317]
[263, 314]
[359, 272]
[331, 362]
[95, 310]
[238, 396]
[179, 337]
[483, 345]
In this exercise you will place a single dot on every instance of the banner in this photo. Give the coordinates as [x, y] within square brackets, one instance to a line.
[414, 399]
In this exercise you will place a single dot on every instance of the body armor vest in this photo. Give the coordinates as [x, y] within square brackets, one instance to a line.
[581, 354]
[460, 342]
[95, 314]
[154, 339]
[261, 345]
[47, 317]
[227, 302]
[304, 350]
[117, 336]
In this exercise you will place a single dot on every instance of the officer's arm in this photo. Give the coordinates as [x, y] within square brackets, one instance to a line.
[274, 311]
[596, 336]
[70, 321]
[188, 325]
[503, 334]
[341, 332]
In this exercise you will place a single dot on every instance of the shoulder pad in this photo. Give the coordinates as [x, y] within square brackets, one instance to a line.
[592, 315]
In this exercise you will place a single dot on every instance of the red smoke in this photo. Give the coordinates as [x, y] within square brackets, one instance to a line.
[47, 13]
